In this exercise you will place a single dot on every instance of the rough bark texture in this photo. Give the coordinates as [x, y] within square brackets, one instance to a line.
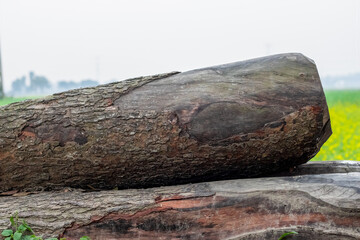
[236, 120]
[318, 206]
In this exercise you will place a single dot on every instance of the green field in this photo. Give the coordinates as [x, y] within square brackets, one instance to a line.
[8, 100]
[344, 144]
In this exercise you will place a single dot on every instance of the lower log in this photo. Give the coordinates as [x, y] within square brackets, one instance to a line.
[317, 206]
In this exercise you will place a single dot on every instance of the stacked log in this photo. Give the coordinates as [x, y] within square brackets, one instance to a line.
[64, 158]
[316, 204]
[244, 119]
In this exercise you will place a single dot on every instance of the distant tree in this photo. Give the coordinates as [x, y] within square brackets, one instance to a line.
[19, 85]
[38, 83]
[1, 81]
[88, 83]
[67, 85]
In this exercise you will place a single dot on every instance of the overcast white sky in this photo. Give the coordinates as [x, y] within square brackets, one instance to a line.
[114, 39]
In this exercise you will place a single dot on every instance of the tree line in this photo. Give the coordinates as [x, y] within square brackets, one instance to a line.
[40, 85]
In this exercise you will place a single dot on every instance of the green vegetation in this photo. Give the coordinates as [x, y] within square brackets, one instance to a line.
[344, 144]
[20, 230]
[8, 100]
[287, 234]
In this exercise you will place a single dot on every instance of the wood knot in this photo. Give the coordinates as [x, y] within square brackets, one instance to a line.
[173, 118]
[27, 132]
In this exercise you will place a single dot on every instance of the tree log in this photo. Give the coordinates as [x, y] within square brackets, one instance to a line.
[236, 120]
[318, 206]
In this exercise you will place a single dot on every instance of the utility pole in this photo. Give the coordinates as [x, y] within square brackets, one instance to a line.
[2, 95]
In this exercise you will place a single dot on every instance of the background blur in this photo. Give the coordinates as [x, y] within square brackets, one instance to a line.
[52, 46]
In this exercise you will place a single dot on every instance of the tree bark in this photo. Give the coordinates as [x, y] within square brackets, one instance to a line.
[236, 120]
[318, 206]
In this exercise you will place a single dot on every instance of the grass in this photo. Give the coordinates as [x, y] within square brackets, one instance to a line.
[344, 107]
[20, 230]
[8, 100]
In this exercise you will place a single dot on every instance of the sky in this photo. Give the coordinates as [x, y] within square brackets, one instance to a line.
[118, 39]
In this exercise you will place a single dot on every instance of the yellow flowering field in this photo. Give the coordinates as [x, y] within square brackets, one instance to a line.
[344, 143]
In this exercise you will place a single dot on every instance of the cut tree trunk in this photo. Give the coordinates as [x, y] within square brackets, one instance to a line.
[236, 120]
[319, 206]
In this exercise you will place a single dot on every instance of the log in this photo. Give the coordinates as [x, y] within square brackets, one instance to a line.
[318, 206]
[242, 119]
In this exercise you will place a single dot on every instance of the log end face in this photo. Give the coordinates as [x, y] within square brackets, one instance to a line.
[325, 134]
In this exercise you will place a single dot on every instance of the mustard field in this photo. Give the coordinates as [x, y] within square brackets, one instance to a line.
[344, 143]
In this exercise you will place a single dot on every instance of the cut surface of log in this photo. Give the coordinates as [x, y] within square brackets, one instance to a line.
[243, 119]
[318, 206]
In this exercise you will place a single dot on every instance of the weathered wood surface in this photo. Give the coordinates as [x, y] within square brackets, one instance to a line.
[321, 168]
[319, 206]
[236, 120]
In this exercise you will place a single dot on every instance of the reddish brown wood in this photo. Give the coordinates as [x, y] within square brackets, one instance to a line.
[318, 206]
